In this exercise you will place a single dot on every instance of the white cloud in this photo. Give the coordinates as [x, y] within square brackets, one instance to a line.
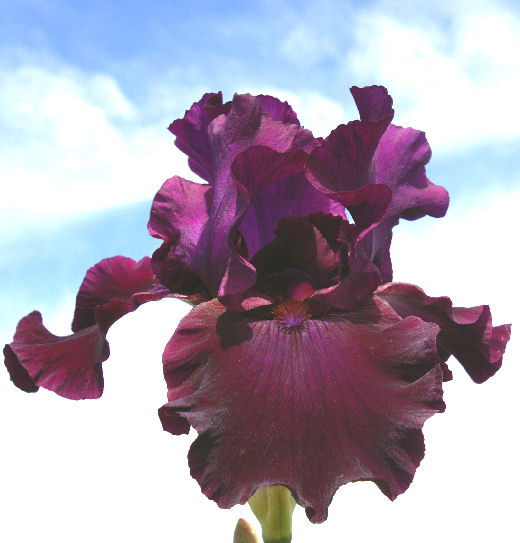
[455, 74]
[73, 143]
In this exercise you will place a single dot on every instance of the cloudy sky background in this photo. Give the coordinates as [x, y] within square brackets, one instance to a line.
[87, 91]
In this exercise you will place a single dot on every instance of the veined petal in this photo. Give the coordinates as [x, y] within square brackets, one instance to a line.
[71, 365]
[277, 188]
[207, 253]
[302, 397]
[372, 152]
[399, 163]
[179, 214]
[466, 333]
[192, 135]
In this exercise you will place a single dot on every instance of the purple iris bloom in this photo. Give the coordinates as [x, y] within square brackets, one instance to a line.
[301, 364]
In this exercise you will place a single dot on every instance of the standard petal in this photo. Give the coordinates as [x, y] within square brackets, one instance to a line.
[71, 365]
[192, 135]
[179, 214]
[298, 262]
[375, 153]
[277, 188]
[208, 251]
[466, 333]
[399, 163]
[303, 398]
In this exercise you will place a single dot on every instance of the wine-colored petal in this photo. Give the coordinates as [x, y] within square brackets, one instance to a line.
[278, 110]
[373, 153]
[399, 163]
[298, 396]
[373, 102]
[71, 365]
[192, 135]
[299, 261]
[179, 214]
[277, 188]
[466, 333]
[109, 291]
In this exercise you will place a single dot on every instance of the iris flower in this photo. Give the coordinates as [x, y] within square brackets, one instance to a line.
[301, 363]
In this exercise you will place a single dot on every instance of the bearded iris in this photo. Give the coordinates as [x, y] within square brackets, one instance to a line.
[301, 364]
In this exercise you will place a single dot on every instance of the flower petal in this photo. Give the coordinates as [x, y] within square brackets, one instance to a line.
[192, 133]
[112, 288]
[399, 163]
[299, 256]
[466, 333]
[179, 214]
[374, 152]
[71, 365]
[307, 400]
[208, 251]
[277, 188]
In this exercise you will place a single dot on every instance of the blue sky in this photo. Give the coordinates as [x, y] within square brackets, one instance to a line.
[87, 91]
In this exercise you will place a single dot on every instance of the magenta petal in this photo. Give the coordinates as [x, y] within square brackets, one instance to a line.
[192, 133]
[341, 162]
[399, 163]
[373, 102]
[278, 110]
[277, 188]
[199, 226]
[109, 291]
[308, 400]
[71, 365]
[466, 333]
[179, 214]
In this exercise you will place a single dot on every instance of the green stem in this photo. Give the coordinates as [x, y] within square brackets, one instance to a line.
[273, 507]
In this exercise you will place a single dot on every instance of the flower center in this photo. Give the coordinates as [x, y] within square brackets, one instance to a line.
[291, 314]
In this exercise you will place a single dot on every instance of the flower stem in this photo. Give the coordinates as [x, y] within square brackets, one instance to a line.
[273, 507]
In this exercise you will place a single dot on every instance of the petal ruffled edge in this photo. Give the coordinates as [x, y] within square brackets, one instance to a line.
[256, 417]
[70, 365]
[466, 333]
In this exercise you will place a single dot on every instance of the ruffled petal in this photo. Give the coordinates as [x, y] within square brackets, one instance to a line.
[192, 135]
[299, 261]
[193, 130]
[466, 333]
[207, 253]
[277, 188]
[389, 159]
[399, 163]
[112, 288]
[71, 365]
[298, 396]
[179, 214]
[278, 110]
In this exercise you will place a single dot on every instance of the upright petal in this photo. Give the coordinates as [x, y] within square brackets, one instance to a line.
[466, 333]
[390, 159]
[277, 188]
[192, 135]
[302, 397]
[179, 214]
[71, 365]
[399, 163]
